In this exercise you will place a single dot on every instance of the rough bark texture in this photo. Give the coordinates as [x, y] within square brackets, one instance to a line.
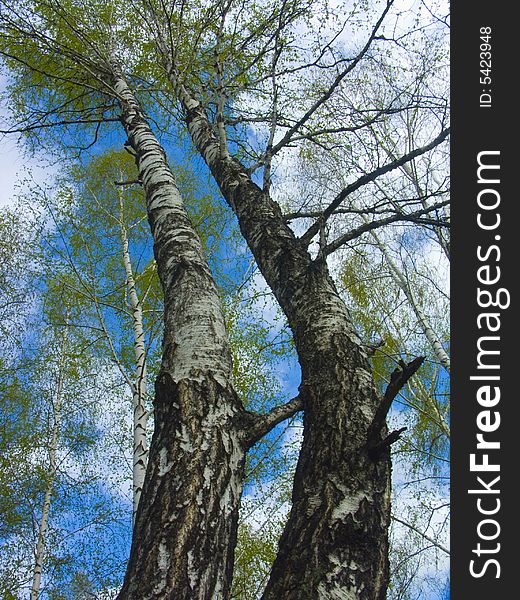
[187, 519]
[185, 527]
[335, 544]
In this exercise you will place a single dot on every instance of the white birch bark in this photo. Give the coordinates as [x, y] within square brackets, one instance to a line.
[140, 414]
[423, 320]
[200, 335]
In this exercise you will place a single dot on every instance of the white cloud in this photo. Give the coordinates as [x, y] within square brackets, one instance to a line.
[17, 169]
[11, 163]
[16, 166]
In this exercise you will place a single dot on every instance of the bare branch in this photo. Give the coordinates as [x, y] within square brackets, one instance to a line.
[287, 138]
[58, 124]
[381, 207]
[421, 533]
[414, 217]
[262, 424]
[369, 177]
[398, 380]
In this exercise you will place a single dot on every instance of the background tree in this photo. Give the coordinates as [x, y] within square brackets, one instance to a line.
[54, 484]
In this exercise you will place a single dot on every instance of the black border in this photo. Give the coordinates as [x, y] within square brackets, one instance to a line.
[477, 129]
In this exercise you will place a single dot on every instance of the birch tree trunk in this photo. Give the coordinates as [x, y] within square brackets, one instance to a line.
[423, 320]
[335, 544]
[51, 473]
[186, 523]
[140, 414]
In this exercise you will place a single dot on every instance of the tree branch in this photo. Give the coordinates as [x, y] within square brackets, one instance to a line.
[369, 177]
[398, 380]
[59, 123]
[260, 425]
[381, 207]
[414, 217]
[426, 537]
[287, 138]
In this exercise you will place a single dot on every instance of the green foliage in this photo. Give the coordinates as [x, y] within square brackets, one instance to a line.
[256, 551]
[32, 401]
[371, 292]
[17, 243]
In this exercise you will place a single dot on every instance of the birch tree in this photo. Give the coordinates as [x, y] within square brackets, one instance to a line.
[202, 430]
[97, 232]
[342, 484]
[99, 238]
[222, 68]
[56, 417]
[15, 274]
[54, 492]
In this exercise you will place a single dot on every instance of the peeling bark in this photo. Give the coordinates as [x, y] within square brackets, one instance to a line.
[186, 522]
[335, 544]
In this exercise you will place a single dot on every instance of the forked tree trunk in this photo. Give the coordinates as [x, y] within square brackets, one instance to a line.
[335, 544]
